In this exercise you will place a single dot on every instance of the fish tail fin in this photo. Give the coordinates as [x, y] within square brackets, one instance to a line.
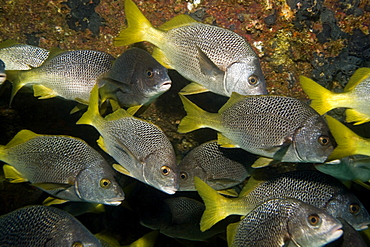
[195, 117]
[139, 27]
[321, 97]
[345, 138]
[15, 76]
[92, 112]
[214, 202]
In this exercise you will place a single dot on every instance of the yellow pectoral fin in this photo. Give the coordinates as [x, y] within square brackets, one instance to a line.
[52, 186]
[121, 169]
[52, 200]
[193, 88]
[354, 116]
[225, 142]
[14, 175]
[43, 92]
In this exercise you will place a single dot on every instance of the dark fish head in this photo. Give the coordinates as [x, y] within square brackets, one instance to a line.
[313, 141]
[97, 184]
[346, 206]
[245, 78]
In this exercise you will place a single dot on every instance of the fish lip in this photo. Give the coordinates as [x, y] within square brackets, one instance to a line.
[170, 191]
[336, 233]
[114, 201]
[166, 84]
[363, 226]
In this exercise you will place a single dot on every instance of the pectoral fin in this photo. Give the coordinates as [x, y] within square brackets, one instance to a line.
[52, 200]
[263, 162]
[208, 67]
[52, 186]
[121, 169]
[43, 92]
[13, 174]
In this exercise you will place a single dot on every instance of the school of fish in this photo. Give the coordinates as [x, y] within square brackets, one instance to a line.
[230, 187]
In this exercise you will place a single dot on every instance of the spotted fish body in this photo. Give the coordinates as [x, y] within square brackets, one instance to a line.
[43, 226]
[278, 222]
[217, 59]
[70, 74]
[221, 168]
[21, 56]
[311, 187]
[142, 150]
[277, 127]
[62, 166]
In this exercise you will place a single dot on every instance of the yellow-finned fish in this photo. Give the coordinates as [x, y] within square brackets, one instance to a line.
[141, 149]
[277, 127]
[217, 59]
[355, 96]
[349, 143]
[68, 74]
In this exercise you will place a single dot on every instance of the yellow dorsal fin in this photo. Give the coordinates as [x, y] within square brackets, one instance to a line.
[231, 232]
[52, 200]
[13, 174]
[21, 137]
[7, 43]
[234, 98]
[177, 21]
[120, 113]
[360, 75]
[43, 92]
[55, 51]
[252, 183]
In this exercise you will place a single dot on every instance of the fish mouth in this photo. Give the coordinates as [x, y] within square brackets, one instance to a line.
[335, 234]
[169, 191]
[166, 85]
[114, 201]
[362, 226]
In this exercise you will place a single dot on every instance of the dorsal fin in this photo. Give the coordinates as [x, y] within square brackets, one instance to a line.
[360, 75]
[8, 43]
[120, 113]
[177, 21]
[21, 137]
[234, 98]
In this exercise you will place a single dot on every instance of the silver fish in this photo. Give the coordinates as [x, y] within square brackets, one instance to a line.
[141, 149]
[43, 226]
[220, 168]
[135, 78]
[277, 127]
[68, 74]
[63, 166]
[217, 59]
[21, 56]
[278, 222]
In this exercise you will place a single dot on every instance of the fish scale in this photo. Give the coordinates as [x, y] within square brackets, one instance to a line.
[43, 226]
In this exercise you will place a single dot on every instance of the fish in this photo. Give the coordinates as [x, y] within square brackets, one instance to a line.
[350, 168]
[309, 186]
[349, 238]
[220, 168]
[216, 59]
[22, 56]
[107, 240]
[135, 78]
[67, 74]
[355, 96]
[141, 149]
[348, 142]
[276, 127]
[281, 222]
[43, 226]
[2, 72]
[63, 166]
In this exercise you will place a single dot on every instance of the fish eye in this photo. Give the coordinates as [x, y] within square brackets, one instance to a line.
[354, 208]
[165, 170]
[183, 175]
[324, 140]
[105, 183]
[149, 73]
[253, 80]
[313, 219]
[77, 244]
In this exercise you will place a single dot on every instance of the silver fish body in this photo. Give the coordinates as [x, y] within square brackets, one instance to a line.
[233, 64]
[278, 222]
[23, 57]
[43, 226]
[64, 167]
[220, 168]
[135, 78]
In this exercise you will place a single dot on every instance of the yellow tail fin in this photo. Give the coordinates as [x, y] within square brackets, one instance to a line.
[321, 97]
[92, 114]
[214, 202]
[139, 28]
[349, 143]
[196, 118]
